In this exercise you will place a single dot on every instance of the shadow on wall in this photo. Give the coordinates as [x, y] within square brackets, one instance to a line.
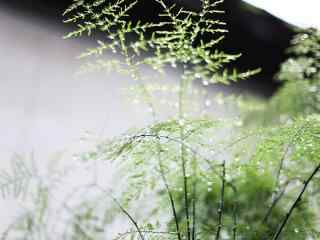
[259, 36]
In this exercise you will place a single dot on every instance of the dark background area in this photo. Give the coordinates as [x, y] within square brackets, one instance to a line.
[259, 36]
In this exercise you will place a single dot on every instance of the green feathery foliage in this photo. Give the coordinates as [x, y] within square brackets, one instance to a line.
[189, 176]
[16, 182]
[177, 39]
[300, 76]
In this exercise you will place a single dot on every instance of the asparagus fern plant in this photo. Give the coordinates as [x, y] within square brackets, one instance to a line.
[190, 176]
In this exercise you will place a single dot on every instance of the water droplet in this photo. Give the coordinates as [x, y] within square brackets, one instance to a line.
[239, 123]
[205, 83]
[173, 64]
[296, 230]
[208, 103]
[181, 122]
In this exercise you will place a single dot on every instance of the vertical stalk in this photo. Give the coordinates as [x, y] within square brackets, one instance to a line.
[234, 212]
[294, 205]
[273, 204]
[221, 207]
[172, 203]
[123, 210]
[130, 218]
[186, 192]
[182, 155]
[194, 193]
[194, 214]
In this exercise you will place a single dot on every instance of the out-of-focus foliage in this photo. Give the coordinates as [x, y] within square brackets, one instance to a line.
[300, 76]
[16, 181]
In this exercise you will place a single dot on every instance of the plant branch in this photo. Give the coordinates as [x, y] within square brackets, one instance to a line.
[185, 185]
[194, 193]
[233, 143]
[182, 89]
[285, 154]
[221, 207]
[275, 201]
[173, 207]
[234, 211]
[186, 146]
[133, 221]
[294, 205]
[122, 235]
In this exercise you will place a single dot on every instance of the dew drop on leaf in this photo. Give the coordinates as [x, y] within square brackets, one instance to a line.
[205, 83]
[197, 75]
[181, 122]
[208, 103]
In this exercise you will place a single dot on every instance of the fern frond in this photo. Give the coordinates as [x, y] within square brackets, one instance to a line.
[76, 4]
[176, 40]
[16, 182]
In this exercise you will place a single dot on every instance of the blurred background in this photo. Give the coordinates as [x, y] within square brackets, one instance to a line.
[45, 107]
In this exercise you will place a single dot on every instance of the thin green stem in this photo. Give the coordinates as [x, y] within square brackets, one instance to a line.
[125, 234]
[182, 155]
[273, 205]
[186, 190]
[234, 210]
[125, 212]
[194, 193]
[285, 153]
[172, 203]
[295, 204]
[221, 207]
